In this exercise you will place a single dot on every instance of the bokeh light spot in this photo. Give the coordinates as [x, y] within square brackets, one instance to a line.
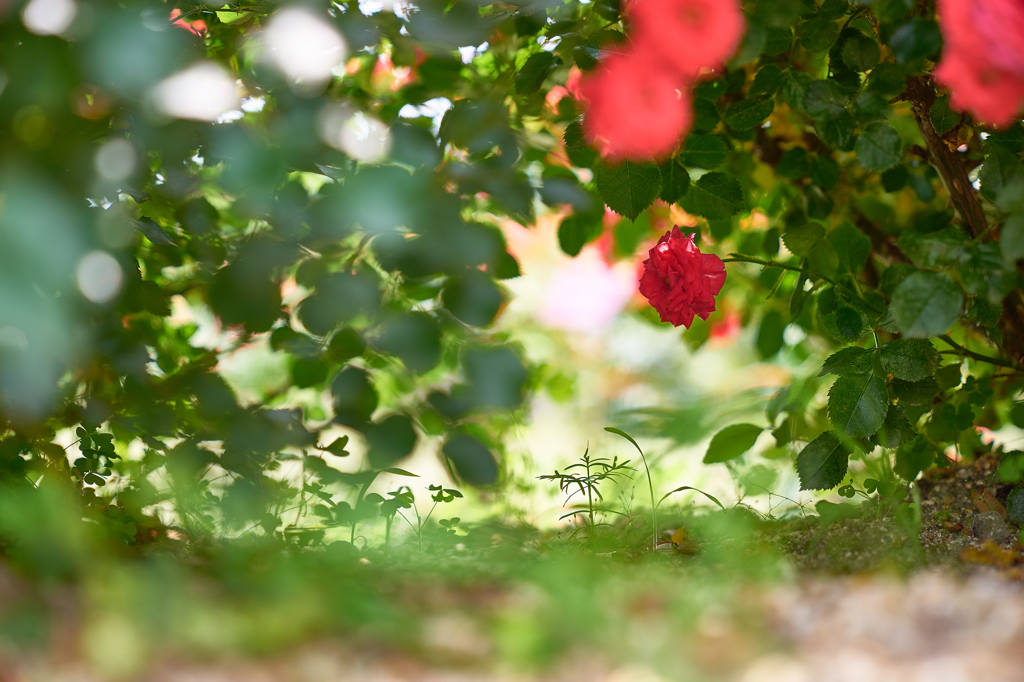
[99, 276]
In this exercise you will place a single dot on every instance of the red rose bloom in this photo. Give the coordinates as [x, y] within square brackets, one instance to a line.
[687, 35]
[679, 280]
[983, 58]
[634, 108]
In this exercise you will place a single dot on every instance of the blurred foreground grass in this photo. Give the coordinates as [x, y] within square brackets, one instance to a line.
[495, 596]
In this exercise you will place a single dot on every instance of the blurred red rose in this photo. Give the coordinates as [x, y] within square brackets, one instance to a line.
[196, 26]
[983, 57]
[679, 280]
[634, 108]
[687, 35]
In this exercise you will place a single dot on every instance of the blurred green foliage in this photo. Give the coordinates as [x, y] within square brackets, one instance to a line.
[341, 219]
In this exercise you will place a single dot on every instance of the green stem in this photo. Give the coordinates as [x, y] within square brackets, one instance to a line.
[998, 362]
[650, 484]
[740, 258]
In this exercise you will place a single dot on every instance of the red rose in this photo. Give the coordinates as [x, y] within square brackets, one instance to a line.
[634, 108]
[679, 280]
[687, 35]
[983, 58]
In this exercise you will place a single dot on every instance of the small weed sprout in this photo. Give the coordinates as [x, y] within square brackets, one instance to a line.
[403, 498]
[585, 478]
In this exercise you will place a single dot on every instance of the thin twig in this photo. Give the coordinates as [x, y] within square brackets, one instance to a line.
[999, 362]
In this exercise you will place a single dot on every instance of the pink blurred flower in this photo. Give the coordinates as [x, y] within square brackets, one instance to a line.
[687, 35]
[983, 58]
[196, 26]
[634, 108]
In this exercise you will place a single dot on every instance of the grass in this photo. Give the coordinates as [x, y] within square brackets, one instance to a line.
[522, 598]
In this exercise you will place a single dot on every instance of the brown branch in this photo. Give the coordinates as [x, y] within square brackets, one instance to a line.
[921, 94]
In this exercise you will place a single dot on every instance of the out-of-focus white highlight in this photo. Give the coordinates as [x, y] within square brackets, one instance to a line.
[115, 160]
[359, 135]
[304, 47]
[434, 109]
[49, 17]
[400, 8]
[99, 276]
[201, 92]
[253, 105]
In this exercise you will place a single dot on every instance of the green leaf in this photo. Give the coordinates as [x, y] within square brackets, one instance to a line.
[1000, 174]
[800, 239]
[496, 376]
[796, 303]
[1011, 467]
[623, 434]
[705, 116]
[848, 361]
[926, 304]
[731, 442]
[675, 180]
[308, 372]
[531, 77]
[354, 397]
[793, 163]
[942, 248]
[860, 52]
[400, 472]
[473, 297]
[389, 441]
[825, 100]
[415, 338]
[857, 404]
[577, 230]
[915, 392]
[576, 147]
[628, 188]
[337, 447]
[910, 359]
[471, 459]
[769, 334]
[818, 33]
[942, 117]
[768, 81]
[879, 147]
[715, 196]
[852, 246]
[896, 430]
[822, 463]
[916, 39]
[823, 259]
[345, 345]
[1011, 239]
[824, 172]
[914, 457]
[1017, 415]
[748, 113]
[1015, 506]
[704, 151]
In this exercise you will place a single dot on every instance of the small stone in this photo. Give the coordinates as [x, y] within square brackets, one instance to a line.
[991, 526]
